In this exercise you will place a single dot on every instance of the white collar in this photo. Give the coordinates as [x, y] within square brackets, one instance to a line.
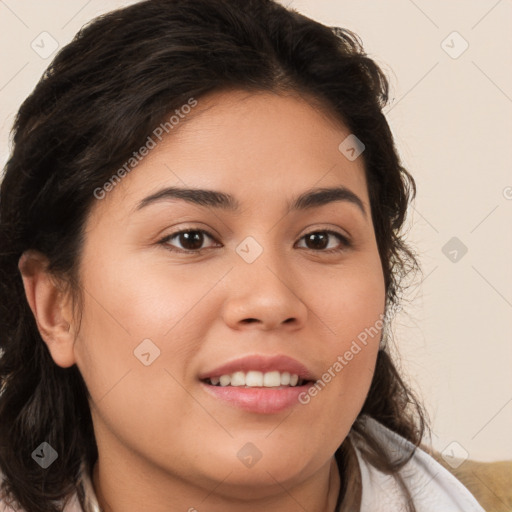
[432, 487]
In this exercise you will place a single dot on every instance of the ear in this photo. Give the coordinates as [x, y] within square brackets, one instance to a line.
[50, 305]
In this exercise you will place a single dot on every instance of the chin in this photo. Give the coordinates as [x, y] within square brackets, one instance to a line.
[265, 471]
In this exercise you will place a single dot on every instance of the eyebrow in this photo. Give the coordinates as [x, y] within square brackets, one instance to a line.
[313, 198]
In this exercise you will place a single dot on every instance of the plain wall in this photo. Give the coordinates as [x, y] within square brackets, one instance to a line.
[451, 117]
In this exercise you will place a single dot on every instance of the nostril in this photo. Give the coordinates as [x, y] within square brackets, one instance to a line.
[249, 320]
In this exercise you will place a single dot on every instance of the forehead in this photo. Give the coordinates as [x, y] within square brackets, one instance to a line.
[257, 147]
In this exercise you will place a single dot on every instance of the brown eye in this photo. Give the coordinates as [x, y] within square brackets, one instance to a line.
[191, 240]
[319, 241]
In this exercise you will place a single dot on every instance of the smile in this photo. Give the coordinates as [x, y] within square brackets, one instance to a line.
[260, 384]
[257, 379]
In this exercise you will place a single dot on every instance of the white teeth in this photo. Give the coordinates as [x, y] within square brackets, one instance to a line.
[238, 379]
[257, 379]
[285, 378]
[225, 380]
[271, 379]
[254, 379]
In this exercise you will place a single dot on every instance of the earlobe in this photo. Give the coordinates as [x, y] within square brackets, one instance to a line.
[50, 306]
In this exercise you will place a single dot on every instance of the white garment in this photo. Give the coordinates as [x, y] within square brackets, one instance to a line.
[432, 487]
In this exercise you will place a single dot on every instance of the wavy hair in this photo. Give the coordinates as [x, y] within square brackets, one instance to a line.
[97, 102]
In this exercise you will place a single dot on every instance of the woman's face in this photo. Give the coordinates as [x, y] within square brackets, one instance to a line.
[256, 293]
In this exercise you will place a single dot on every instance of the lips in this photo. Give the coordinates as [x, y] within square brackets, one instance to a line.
[258, 384]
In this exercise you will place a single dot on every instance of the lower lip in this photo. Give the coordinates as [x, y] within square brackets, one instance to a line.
[258, 400]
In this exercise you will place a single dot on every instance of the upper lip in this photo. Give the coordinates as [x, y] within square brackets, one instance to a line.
[261, 363]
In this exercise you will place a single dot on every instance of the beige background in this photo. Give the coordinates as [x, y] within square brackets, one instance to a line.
[451, 117]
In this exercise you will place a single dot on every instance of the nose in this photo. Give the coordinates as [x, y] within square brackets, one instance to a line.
[264, 296]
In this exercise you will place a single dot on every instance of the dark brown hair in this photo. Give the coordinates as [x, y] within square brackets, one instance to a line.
[97, 102]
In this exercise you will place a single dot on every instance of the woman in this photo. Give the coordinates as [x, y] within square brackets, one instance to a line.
[201, 255]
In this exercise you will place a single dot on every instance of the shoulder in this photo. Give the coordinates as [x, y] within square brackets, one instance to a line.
[432, 487]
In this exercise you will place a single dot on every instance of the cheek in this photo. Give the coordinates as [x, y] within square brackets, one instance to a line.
[151, 297]
[352, 313]
[351, 306]
[129, 300]
[132, 309]
[134, 401]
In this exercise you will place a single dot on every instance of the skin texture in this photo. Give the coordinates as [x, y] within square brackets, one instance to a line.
[164, 443]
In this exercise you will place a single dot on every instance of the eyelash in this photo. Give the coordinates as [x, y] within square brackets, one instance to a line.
[346, 244]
